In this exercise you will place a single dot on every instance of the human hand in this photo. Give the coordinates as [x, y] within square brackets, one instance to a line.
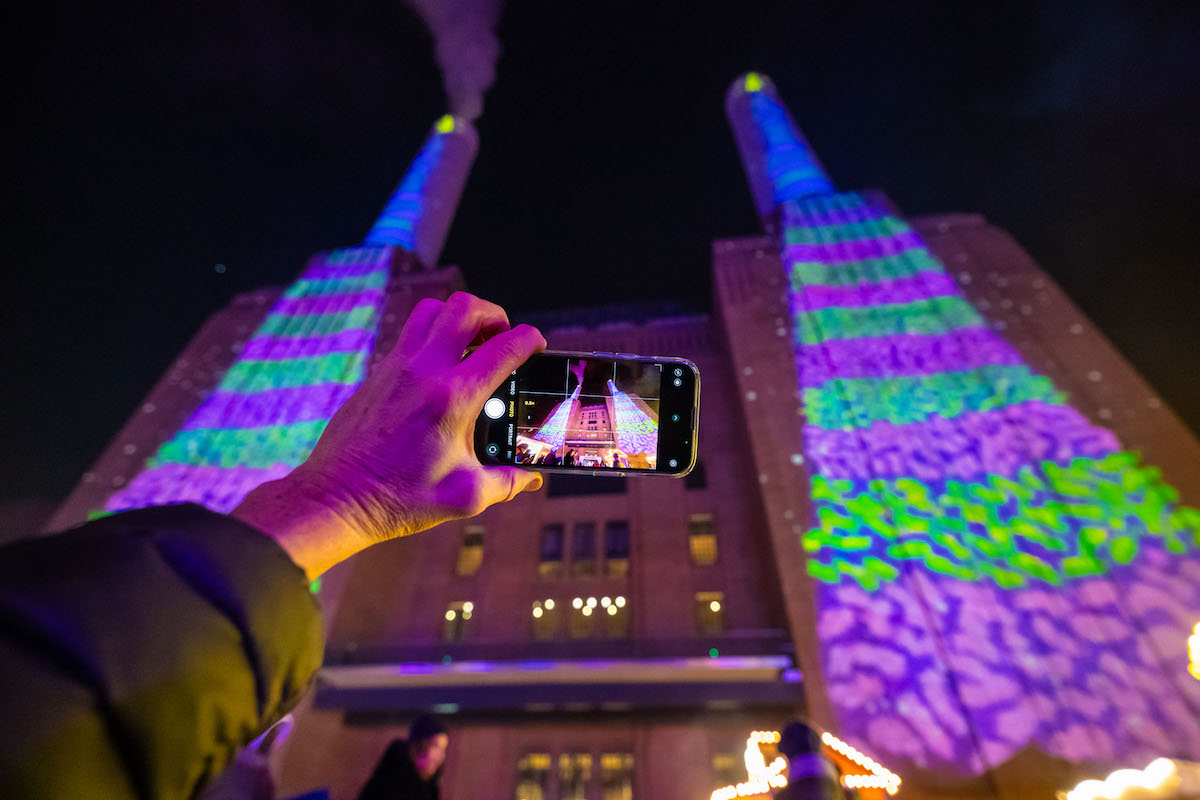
[399, 456]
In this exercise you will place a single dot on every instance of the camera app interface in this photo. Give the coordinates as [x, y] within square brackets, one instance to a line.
[588, 413]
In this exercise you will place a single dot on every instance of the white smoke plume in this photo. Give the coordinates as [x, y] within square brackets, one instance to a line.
[466, 48]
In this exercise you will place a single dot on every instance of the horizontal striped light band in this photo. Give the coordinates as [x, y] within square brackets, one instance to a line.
[304, 360]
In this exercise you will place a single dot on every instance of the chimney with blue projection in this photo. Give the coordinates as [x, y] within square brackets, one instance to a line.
[417, 217]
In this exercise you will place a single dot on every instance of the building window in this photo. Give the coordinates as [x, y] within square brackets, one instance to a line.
[710, 613]
[728, 769]
[458, 614]
[696, 479]
[564, 484]
[550, 563]
[584, 611]
[545, 619]
[616, 776]
[470, 552]
[583, 549]
[616, 548]
[533, 776]
[702, 539]
[574, 775]
[615, 613]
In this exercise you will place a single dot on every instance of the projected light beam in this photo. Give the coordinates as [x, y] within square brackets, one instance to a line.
[636, 431]
[554, 430]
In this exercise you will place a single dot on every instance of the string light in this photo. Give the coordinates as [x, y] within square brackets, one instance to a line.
[537, 613]
[587, 611]
[714, 606]
[450, 615]
[612, 610]
[1194, 652]
[620, 601]
[549, 604]
[591, 602]
[577, 603]
[1152, 778]
[880, 776]
[761, 777]
[605, 601]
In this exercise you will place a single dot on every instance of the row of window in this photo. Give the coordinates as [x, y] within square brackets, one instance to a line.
[576, 777]
[584, 558]
[586, 617]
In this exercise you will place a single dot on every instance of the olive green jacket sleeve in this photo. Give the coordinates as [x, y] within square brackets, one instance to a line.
[140, 652]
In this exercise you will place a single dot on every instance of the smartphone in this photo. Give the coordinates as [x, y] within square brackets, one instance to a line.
[594, 413]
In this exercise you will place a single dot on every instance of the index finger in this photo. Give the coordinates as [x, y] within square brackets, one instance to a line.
[498, 357]
[464, 318]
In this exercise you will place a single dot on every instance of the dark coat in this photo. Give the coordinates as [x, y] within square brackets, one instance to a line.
[140, 652]
[396, 777]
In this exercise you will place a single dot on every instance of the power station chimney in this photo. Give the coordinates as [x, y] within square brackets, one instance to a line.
[778, 162]
[417, 217]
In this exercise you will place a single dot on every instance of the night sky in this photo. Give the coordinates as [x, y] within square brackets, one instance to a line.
[150, 144]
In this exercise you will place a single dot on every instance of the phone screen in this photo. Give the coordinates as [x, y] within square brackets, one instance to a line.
[593, 413]
[590, 412]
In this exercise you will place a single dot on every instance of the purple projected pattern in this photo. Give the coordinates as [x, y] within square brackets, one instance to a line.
[939, 643]
[306, 358]
[636, 431]
[992, 571]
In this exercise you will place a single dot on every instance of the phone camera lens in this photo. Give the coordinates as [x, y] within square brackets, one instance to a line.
[678, 381]
[674, 418]
[672, 463]
[678, 372]
[493, 448]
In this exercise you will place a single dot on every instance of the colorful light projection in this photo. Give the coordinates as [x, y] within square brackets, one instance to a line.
[992, 569]
[636, 431]
[308, 355]
[417, 217]
[779, 163]
[396, 224]
[554, 430]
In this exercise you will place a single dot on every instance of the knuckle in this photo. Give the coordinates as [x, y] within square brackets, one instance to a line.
[427, 304]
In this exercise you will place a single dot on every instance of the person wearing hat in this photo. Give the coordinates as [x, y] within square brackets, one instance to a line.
[811, 776]
[410, 768]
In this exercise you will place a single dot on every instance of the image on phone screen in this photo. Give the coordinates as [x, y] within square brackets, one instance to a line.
[588, 412]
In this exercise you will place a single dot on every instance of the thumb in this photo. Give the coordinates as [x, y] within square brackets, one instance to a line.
[502, 484]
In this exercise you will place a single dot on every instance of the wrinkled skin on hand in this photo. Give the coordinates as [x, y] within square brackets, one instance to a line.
[399, 456]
